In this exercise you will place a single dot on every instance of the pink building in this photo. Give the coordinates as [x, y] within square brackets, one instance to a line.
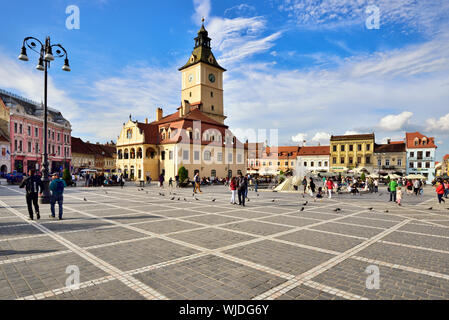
[26, 135]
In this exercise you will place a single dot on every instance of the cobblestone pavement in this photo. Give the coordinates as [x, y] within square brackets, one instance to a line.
[154, 243]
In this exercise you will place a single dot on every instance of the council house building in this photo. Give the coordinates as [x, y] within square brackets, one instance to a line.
[195, 136]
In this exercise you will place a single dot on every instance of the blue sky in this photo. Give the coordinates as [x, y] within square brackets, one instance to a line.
[309, 68]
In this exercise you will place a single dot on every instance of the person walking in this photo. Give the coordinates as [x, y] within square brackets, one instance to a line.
[170, 182]
[256, 184]
[122, 181]
[197, 183]
[312, 187]
[177, 181]
[242, 186]
[376, 185]
[57, 186]
[416, 186]
[440, 191]
[330, 187]
[446, 188]
[304, 184]
[399, 196]
[233, 188]
[392, 186]
[161, 180]
[33, 186]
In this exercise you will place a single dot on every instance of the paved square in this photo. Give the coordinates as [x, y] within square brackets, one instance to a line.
[131, 244]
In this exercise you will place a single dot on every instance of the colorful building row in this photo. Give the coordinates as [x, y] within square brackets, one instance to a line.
[349, 153]
[21, 124]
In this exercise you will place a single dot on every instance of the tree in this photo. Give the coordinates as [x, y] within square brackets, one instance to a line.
[363, 177]
[67, 177]
[183, 174]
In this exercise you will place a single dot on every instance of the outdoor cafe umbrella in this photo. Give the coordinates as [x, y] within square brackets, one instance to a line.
[393, 176]
[416, 176]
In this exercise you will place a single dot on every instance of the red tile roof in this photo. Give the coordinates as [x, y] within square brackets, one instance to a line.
[446, 157]
[79, 146]
[315, 151]
[194, 114]
[411, 137]
[353, 137]
[398, 146]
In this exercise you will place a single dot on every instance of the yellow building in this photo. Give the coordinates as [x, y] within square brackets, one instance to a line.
[194, 136]
[278, 159]
[352, 151]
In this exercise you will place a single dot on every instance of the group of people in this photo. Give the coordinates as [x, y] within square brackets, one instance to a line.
[239, 186]
[99, 180]
[34, 187]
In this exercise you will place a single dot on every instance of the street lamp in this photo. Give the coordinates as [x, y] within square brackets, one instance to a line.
[45, 57]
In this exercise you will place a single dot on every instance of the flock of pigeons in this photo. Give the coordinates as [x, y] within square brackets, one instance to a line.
[274, 200]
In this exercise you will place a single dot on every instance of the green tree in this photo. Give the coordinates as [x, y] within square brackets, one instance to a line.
[67, 177]
[183, 174]
[363, 177]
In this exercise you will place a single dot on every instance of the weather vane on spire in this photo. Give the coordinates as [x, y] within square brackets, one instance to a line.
[203, 20]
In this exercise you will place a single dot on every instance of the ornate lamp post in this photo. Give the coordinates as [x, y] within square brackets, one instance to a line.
[45, 57]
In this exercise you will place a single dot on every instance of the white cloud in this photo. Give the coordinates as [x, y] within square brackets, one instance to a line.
[412, 15]
[202, 10]
[321, 137]
[237, 38]
[240, 10]
[395, 122]
[21, 78]
[300, 138]
[438, 125]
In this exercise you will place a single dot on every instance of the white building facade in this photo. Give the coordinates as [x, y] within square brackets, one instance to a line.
[313, 159]
[421, 155]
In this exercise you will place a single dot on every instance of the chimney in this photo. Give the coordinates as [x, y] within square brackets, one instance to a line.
[159, 114]
[388, 141]
[185, 109]
[146, 120]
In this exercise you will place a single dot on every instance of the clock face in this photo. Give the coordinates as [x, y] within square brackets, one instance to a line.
[211, 78]
[191, 78]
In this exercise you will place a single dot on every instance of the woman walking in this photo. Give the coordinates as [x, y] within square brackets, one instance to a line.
[440, 191]
[233, 188]
[399, 196]
[330, 187]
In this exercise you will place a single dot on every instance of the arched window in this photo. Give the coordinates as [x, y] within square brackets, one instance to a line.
[120, 155]
[133, 153]
[150, 153]
[139, 153]
[126, 154]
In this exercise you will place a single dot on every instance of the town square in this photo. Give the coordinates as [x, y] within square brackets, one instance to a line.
[206, 154]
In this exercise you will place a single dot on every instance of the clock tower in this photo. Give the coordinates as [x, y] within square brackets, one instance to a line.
[202, 79]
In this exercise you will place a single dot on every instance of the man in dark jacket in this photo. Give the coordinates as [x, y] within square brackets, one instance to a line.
[33, 186]
[242, 186]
